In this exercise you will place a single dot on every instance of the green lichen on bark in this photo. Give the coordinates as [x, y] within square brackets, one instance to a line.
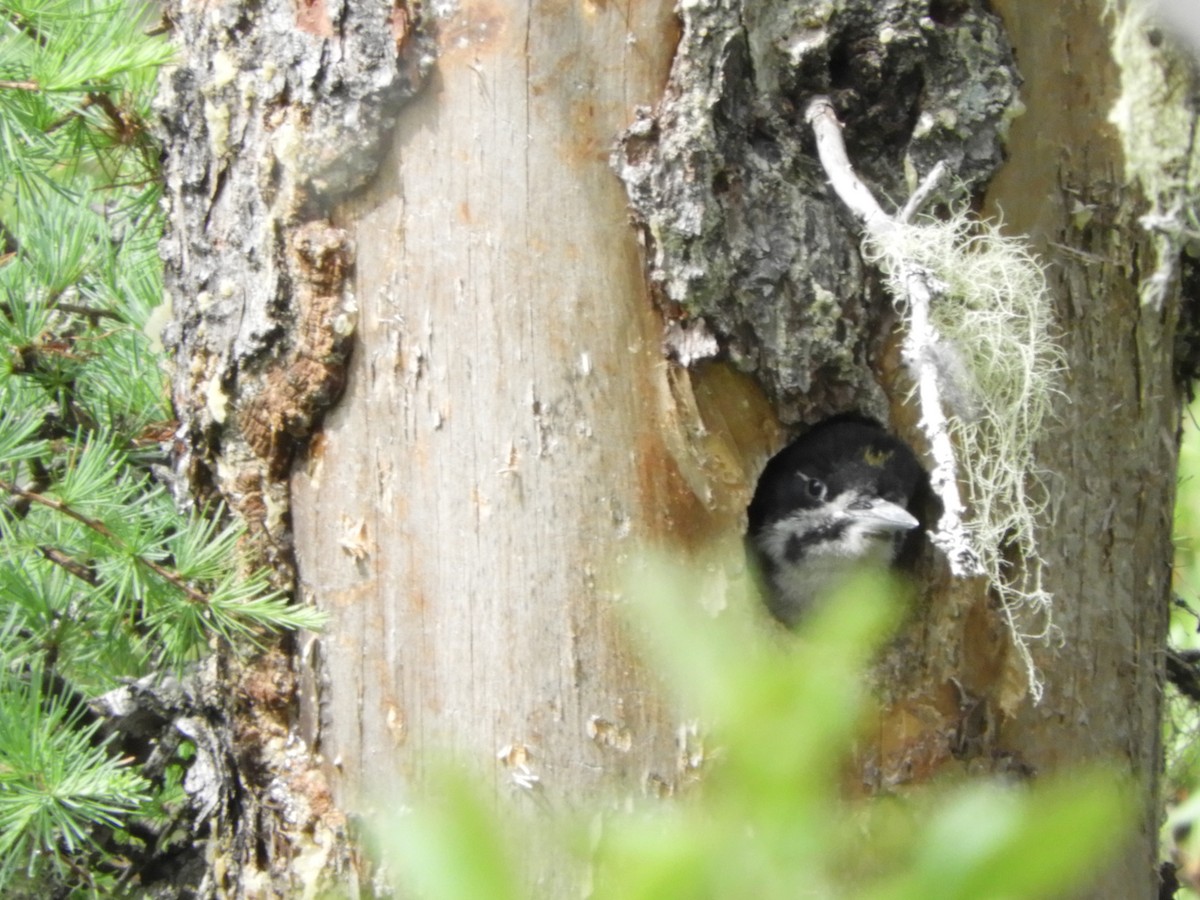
[1157, 116]
[1156, 112]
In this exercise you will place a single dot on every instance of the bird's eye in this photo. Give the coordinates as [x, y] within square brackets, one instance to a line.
[814, 486]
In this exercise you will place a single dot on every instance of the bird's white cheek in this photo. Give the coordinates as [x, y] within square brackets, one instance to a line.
[869, 548]
[800, 586]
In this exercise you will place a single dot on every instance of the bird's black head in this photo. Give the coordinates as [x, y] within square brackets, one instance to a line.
[840, 496]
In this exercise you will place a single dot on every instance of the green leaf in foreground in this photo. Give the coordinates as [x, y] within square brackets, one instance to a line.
[770, 817]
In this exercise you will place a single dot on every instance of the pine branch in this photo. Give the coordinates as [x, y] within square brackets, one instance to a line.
[69, 564]
[22, 23]
[87, 312]
[100, 528]
[132, 583]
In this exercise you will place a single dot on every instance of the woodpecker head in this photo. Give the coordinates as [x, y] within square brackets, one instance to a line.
[835, 499]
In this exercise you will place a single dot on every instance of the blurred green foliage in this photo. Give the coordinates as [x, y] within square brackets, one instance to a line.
[1184, 624]
[1182, 719]
[770, 818]
[1185, 618]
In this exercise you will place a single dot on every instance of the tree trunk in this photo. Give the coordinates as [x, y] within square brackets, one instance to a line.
[508, 432]
[525, 411]
[1114, 447]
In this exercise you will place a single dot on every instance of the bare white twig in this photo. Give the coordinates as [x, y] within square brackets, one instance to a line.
[832, 151]
[924, 191]
[921, 291]
[951, 535]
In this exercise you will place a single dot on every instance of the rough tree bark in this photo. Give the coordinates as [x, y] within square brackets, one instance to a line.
[1070, 186]
[524, 407]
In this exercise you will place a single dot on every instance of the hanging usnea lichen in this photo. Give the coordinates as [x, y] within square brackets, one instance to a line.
[992, 348]
[979, 345]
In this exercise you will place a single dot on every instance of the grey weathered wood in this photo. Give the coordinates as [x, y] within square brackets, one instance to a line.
[508, 435]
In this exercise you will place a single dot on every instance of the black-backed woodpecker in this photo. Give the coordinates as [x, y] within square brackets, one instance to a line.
[839, 497]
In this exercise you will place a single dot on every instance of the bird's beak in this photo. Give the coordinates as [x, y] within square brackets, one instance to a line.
[884, 516]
